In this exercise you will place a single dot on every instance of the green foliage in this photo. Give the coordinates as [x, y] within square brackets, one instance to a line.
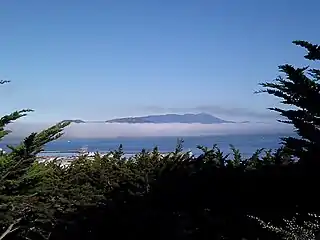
[5, 120]
[118, 154]
[18, 178]
[292, 229]
[299, 87]
[136, 182]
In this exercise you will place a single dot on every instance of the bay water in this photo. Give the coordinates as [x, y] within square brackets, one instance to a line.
[247, 144]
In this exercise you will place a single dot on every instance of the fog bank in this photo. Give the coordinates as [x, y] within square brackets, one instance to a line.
[112, 130]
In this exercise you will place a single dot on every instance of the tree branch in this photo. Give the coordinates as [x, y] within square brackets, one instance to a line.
[10, 229]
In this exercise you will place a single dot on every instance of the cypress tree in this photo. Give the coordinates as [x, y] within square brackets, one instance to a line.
[14, 167]
[298, 88]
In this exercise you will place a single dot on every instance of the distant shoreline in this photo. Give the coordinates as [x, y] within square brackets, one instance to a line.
[247, 144]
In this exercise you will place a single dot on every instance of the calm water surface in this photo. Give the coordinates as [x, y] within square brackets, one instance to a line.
[247, 144]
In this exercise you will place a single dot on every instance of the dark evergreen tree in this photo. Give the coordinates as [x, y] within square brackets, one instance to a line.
[16, 188]
[299, 89]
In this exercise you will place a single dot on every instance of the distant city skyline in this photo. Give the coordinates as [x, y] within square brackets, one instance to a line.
[98, 60]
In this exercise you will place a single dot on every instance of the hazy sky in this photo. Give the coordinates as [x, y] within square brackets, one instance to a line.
[102, 59]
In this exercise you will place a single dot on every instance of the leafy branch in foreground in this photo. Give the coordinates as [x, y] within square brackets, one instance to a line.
[299, 87]
[10, 229]
[5, 120]
[17, 188]
[23, 155]
[4, 81]
[293, 230]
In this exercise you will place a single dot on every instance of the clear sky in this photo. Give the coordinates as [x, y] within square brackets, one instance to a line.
[101, 59]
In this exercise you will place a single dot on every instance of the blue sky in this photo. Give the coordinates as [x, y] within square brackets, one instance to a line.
[101, 59]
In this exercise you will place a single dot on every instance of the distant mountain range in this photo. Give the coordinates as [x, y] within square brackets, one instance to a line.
[75, 121]
[82, 121]
[202, 118]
